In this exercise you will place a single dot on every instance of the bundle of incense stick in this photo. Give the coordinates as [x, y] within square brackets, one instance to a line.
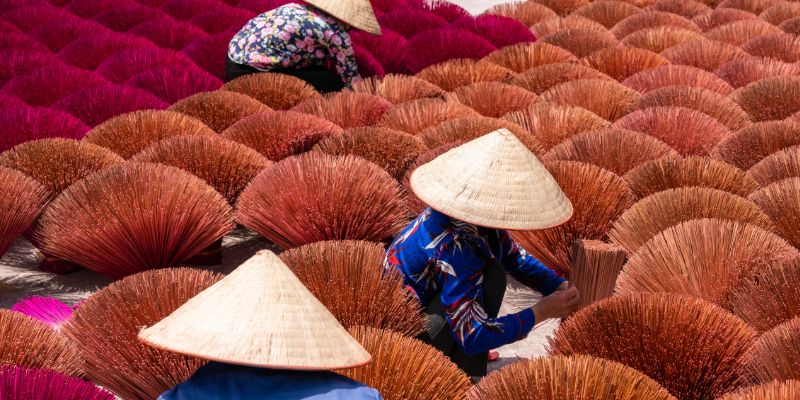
[594, 270]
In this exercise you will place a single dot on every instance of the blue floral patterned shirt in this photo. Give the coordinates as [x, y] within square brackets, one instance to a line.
[295, 36]
[441, 256]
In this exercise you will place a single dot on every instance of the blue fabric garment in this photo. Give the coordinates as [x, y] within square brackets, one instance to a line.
[441, 256]
[218, 381]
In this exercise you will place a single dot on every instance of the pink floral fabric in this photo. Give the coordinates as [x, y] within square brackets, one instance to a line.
[295, 36]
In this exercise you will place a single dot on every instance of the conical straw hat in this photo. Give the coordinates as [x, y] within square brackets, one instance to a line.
[493, 181]
[358, 13]
[260, 315]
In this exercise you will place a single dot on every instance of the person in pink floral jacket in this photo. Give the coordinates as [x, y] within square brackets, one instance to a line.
[310, 42]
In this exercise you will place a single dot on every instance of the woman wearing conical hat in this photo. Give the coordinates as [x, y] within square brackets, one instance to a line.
[455, 255]
[267, 337]
[309, 41]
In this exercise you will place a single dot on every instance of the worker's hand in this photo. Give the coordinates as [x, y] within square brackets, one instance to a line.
[563, 286]
[560, 304]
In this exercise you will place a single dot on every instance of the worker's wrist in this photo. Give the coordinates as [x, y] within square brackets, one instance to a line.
[539, 313]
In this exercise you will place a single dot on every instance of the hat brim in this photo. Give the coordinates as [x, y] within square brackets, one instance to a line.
[360, 16]
[252, 364]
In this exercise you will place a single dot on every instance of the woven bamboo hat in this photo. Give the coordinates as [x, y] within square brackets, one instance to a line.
[358, 13]
[493, 181]
[260, 315]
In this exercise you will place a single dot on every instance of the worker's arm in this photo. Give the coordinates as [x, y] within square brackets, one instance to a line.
[527, 268]
[462, 297]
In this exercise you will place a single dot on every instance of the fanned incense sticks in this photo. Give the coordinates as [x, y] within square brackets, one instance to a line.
[622, 62]
[20, 383]
[58, 33]
[677, 75]
[493, 99]
[607, 13]
[721, 16]
[390, 149]
[617, 150]
[780, 201]
[226, 165]
[779, 45]
[398, 89]
[775, 355]
[134, 217]
[280, 134]
[777, 166]
[415, 116]
[23, 200]
[468, 128]
[659, 211]
[551, 26]
[58, 163]
[366, 295]
[775, 12]
[524, 56]
[404, 368]
[775, 390]
[119, 67]
[453, 74]
[48, 84]
[574, 377]
[88, 52]
[527, 12]
[704, 54]
[436, 46]
[706, 258]
[791, 25]
[770, 98]
[651, 19]
[497, 30]
[687, 345]
[106, 325]
[99, 103]
[770, 297]
[688, 131]
[174, 83]
[541, 78]
[552, 124]
[46, 309]
[168, 33]
[219, 109]
[711, 103]
[128, 134]
[753, 6]
[598, 197]
[684, 8]
[610, 100]
[744, 71]
[347, 109]
[405, 23]
[754, 142]
[660, 38]
[563, 7]
[740, 32]
[33, 344]
[667, 173]
[315, 197]
[277, 91]
[580, 41]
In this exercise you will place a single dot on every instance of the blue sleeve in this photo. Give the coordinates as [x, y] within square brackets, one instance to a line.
[462, 298]
[526, 268]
